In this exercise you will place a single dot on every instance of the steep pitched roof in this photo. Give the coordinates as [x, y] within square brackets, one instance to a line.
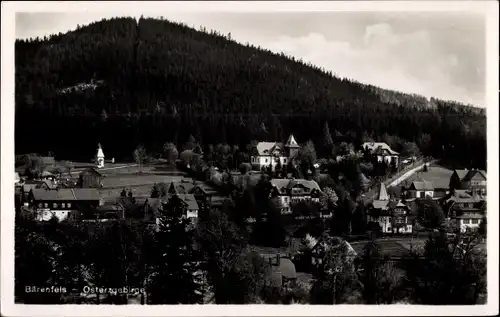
[378, 146]
[280, 183]
[291, 142]
[462, 173]
[85, 193]
[190, 201]
[100, 153]
[473, 173]
[422, 185]
[266, 148]
[382, 194]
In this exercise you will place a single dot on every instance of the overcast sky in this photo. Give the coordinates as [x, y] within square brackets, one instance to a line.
[433, 54]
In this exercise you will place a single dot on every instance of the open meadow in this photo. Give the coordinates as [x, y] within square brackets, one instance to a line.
[137, 179]
[438, 175]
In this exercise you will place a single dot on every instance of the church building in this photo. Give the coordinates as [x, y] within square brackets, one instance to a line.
[99, 158]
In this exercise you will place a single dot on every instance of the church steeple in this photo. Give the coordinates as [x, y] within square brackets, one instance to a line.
[292, 147]
[291, 143]
[99, 158]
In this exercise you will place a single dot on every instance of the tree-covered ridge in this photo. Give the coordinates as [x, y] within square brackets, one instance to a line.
[162, 81]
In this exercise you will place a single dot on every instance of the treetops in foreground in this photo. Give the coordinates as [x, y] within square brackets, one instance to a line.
[127, 83]
[215, 264]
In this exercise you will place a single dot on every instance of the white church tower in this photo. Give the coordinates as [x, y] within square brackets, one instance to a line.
[99, 158]
[292, 146]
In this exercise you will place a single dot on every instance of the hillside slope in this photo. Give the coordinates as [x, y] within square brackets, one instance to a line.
[120, 83]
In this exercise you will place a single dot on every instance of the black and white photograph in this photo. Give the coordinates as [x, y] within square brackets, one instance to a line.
[288, 155]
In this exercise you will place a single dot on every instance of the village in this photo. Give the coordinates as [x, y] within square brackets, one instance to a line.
[105, 191]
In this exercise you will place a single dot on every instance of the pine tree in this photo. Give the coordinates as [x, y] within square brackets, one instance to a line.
[155, 193]
[327, 140]
[175, 280]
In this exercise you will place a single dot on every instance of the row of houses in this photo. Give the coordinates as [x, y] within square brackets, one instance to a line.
[272, 154]
[463, 202]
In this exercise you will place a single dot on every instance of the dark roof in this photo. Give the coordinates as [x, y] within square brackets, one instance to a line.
[466, 175]
[396, 203]
[198, 187]
[422, 185]
[471, 215]
[66, 194]
[28, 185]
[90, 170]
[190, 201]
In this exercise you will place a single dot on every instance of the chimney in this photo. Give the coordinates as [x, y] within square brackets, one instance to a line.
[278, 259]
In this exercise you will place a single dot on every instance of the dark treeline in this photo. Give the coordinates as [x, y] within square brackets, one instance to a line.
[156, 81]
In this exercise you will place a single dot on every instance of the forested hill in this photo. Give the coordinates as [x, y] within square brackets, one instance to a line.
[121, 82]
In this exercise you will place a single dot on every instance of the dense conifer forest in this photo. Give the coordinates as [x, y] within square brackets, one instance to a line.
[122, 82]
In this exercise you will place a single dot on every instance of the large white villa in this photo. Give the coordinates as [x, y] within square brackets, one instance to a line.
[270, 153]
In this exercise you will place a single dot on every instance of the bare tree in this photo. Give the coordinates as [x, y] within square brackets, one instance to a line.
[140, 155]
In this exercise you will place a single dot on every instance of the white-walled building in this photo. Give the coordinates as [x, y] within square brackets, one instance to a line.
[61, 202]
[390, 214]
[420, 189]
[289, 191]
[267, 154]
[99, 158]
[383, 152]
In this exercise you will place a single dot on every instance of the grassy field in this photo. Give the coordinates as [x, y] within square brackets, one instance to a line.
[135, 179]
[141, 180]
[395, 247]
[438, 175]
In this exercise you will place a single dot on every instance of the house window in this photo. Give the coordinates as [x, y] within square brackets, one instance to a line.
[63, 205]
[54, 205]
[475, 221]
[265, 161]
[40, 205]
[465, 221]
[46, 205]
[69, 205]
[284, 160]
